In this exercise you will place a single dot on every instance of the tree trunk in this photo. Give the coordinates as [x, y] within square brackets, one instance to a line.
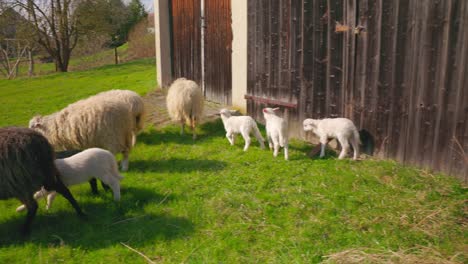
[116, 56]
[31, 63]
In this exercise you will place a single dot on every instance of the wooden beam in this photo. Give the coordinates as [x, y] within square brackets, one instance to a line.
[270, 101]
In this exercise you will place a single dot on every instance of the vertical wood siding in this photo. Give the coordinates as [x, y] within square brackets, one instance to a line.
[186, 39]
[217, 50]
[399, 71]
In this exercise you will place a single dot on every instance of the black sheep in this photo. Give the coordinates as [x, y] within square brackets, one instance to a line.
[27, 164]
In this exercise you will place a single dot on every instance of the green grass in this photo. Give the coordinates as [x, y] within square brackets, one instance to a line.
[22, 98]
[208, 202]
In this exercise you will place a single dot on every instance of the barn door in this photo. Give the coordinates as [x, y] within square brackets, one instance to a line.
[186, 39]
[207, 59]
[217, 43]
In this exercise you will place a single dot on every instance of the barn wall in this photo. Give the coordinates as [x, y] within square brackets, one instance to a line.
[397, 68]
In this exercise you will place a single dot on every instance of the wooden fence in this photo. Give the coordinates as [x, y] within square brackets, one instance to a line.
[397, 68]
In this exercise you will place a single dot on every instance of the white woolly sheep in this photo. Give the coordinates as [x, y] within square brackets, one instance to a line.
[91, 122]
[133, 101]
[240, 124]
[277, 131]
[26, 164]
[342, 129]
[185, 103]
[80, 168]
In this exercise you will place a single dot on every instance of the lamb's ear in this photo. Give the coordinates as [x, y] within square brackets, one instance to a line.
[276, 109]
[233, 111]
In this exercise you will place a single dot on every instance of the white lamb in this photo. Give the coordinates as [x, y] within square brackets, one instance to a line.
[80, 168]
[342, 129]
[92, 122]
[277, 131]
[185, 103]
[240, 124]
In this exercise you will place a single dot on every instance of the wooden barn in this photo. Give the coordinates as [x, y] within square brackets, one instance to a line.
[397, 68]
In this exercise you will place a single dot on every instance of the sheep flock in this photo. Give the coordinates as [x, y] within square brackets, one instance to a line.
[91, 131]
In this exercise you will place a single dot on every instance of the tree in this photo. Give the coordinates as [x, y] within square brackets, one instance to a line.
[124, 22]
[55, 26]
[15, 42]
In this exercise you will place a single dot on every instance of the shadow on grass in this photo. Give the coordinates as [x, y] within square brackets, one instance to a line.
[171, 134]
[310, 151]
[107, 224]
[177, 165]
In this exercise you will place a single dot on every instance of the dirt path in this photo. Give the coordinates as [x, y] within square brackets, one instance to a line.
[157, 111]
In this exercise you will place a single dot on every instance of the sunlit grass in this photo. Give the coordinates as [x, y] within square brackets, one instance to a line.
[205, 201]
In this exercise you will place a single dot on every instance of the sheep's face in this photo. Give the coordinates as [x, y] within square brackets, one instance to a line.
[225, 113]
[35, 122]
[270, 111]
[309, 124]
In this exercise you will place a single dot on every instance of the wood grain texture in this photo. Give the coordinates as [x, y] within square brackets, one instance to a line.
[398, 72]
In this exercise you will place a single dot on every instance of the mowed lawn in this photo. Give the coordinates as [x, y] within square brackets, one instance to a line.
[205, 201]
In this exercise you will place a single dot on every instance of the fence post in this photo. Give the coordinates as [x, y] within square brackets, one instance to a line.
[239, 54]
[162, 42]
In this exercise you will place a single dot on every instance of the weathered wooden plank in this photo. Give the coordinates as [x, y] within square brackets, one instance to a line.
[334, 70]
[217, 46]
[398, 67]
[186, 39]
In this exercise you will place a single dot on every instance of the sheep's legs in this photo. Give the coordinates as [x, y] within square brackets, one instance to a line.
[286, 153]
[93, 184]
[192, 126]
[124, 162]
[247, 140]
[50, 199]
[38, 195]
[323, 142]
[115, 186]
[344, 147]
[31, 204]
[230, 137]
[270, 141]
[182, 127]
[275, 152]
[355, 148]
[63, 190]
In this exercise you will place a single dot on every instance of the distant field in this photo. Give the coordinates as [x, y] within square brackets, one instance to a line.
[105, 57]
[22, 98]
[205, 201]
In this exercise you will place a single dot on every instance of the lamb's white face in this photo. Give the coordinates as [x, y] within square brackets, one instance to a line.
[269, 110]
[225, 112]
[309, 125]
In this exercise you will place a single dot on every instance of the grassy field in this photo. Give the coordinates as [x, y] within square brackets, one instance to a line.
[105, 57]
[208, 202]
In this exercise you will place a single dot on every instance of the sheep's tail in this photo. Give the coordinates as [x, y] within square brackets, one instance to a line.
[115, 171]
[140, 117]
[257, 134]
[356, 137]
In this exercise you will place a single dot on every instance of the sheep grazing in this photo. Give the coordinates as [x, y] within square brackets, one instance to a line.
[26, 164]
[92, 122]
[80, 168]
[277, 131]
[133, 101]
[342, 129]
[185, 103]
[240, 124]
